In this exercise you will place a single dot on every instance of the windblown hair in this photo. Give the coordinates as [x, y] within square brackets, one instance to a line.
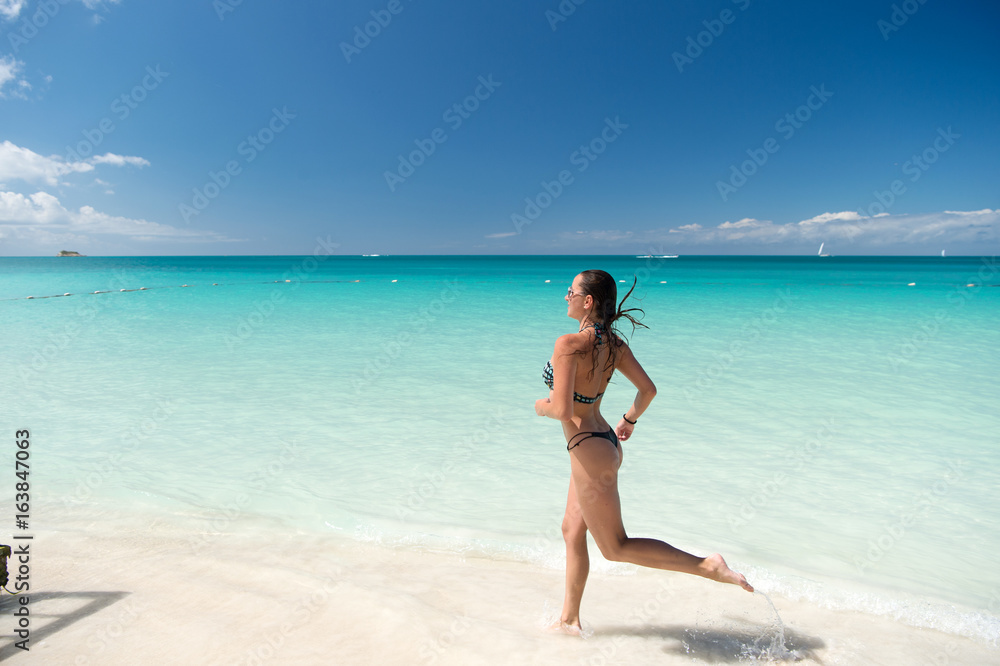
[602, 288]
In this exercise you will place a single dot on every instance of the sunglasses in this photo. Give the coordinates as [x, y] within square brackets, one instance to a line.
[570, 293]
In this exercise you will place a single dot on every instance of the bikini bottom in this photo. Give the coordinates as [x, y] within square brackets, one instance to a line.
[609, 435]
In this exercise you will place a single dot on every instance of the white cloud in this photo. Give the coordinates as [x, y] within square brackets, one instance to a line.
[10, 9]
[608, 235]
[843, 232]
[822, 218]
[981, 226]
[118, 160]
[10, 68]
[40, 215]
[745, 223]
[94, 4]
[24, 164]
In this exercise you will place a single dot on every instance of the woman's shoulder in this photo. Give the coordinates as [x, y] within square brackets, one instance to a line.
[572, 342]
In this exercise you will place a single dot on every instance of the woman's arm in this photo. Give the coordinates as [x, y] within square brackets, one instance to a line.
[633, 371]
[559, 404]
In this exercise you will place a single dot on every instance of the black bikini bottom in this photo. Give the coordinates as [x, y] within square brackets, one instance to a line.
[609, 435]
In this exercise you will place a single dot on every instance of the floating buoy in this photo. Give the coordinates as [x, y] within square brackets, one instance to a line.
[970, 285]
[123, 290]
[183, 285]
[287, 280]
[67, 294]
[663, 281]
[215, 284]
[912, 284]
[30, 297]
[143, 288]
[395, 280]
[547, 281]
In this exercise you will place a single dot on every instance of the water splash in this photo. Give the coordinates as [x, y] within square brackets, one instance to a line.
[770, 646]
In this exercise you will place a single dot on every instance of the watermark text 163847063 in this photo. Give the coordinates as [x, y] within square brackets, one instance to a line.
[22, 554]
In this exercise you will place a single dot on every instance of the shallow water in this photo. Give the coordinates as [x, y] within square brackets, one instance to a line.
[829, 428]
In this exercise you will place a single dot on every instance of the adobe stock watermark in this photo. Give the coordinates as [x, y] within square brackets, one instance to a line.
[223, 7]
[131, 440]
[455, 115]
[432, 649]
[915, 167]
[56, 343]
[581, 158]
[994, 605]
[696, 44]
[796, 460]
[655, 259]
[563, 11]
[430, 483]
[786, 125]
[895, 532]
[260, 480]
[415, 325]
[304, 611]
[750, 333]
[943, 655]
[928, 330]
[901, 13]
[363, 35]
[265, 307]
[249, 149]
[30, 25]
[644, 615]
[111, 630]
[121, 107]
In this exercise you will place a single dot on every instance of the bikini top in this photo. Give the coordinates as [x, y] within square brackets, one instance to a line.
[548, 374]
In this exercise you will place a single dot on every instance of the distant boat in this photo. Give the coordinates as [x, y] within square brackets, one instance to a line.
[656, 256]
[942, 253]
[820, 253]
[371, 255]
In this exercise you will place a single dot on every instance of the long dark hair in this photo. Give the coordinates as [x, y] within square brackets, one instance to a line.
[602, 288]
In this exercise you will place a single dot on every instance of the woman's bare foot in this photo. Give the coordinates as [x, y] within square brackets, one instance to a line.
[715, 568]
[570, 629]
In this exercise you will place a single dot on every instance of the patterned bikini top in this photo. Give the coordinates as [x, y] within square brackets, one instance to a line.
[548, 372]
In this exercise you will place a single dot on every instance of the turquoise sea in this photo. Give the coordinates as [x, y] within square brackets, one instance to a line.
[831, 424]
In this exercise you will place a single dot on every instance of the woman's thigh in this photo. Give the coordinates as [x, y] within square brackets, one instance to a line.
[594, 465]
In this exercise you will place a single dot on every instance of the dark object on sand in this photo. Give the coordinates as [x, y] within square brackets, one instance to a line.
[4, 554]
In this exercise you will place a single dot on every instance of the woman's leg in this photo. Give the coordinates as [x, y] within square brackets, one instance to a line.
[595, 475]
[574, 532]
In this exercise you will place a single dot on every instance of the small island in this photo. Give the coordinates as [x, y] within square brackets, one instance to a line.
[69, 253]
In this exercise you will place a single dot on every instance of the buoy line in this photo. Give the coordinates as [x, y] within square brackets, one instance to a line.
[174, 286]
[231, 284]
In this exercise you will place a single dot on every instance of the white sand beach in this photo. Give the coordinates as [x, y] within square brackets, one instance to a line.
[147, 594]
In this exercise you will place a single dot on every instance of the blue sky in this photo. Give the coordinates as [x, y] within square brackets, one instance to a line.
[414, 127]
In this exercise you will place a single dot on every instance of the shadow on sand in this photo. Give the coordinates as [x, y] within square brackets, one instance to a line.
[51, 612]
[754, 642]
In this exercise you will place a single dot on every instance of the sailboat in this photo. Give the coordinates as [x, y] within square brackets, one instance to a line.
[820, 253]
[942, 253]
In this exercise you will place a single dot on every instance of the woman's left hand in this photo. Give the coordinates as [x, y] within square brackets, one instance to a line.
[624, 430]
[540, 406]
